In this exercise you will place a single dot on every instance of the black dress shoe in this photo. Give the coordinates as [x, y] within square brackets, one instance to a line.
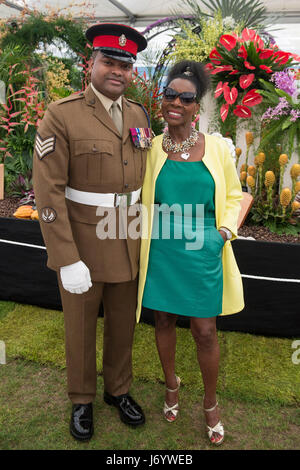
[81, 426]
[130, 412]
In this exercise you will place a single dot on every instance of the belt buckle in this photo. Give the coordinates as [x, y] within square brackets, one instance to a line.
[119, 195]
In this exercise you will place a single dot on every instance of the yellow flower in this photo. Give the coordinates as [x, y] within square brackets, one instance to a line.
[238, 151]
[295, 170]
[251, 181]
[249, 138]
[198, 47]
[283, 159]
[251, 170]
[261, 158]
[295, 206]
[285, 197]
[243, 175]
[297, 186]
[269, 178]
[57, 77]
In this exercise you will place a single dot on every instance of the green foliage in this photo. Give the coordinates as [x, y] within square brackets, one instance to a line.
[247, 13]
[273, 218]
[37, 29]
[197, 46]
[281, 127]
[146, 92]
[28, 74]
[13, 55]
[268, 211]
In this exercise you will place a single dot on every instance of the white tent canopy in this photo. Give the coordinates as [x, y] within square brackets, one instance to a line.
[141, 14]
[144, 12]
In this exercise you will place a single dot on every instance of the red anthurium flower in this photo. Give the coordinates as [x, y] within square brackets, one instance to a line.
[242, 52]
[266, 68]
[215, 56]
[248, 34]
[242, 111]
[233, 72]
[246, 80]
[221, 68]
[228, 41]
[282, 57]
[296, 57]
[265, 54]
[219, 89]
[252, 98]
[236, 36]
[248, 65]
[224, 111]
[209, 67]
[257, 40]
[230, 95]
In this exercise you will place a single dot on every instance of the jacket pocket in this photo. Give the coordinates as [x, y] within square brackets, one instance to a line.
[87, 161]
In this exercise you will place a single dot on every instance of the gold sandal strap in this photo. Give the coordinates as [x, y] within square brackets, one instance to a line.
[211, 409]
[175, 389]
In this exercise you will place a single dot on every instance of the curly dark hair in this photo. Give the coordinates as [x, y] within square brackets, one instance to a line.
[192, 71]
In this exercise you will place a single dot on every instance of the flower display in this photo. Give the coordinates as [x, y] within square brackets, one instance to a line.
[285, 197]
[145, 90]
[281, 120]
[198, 46]
[285, 81]
[236, 65]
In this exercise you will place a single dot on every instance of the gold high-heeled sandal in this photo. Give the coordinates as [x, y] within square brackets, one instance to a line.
[172, 409]
[218, 428]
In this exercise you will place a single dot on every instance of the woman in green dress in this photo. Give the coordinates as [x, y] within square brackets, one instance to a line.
[184, 267]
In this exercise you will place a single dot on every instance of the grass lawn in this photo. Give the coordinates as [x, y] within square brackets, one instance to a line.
[258, 391]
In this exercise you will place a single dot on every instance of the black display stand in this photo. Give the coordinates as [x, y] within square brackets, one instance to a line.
[270, 272]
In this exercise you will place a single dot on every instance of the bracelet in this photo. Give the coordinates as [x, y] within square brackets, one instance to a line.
[227, 231]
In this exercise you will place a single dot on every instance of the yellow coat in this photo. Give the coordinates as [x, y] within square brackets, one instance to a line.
[228, 193]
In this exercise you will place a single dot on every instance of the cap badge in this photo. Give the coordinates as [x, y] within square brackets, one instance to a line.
[122, 40]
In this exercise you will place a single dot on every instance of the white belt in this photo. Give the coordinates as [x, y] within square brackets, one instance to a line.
[102, 199]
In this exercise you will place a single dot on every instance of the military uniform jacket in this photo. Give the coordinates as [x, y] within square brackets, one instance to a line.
[78, 145]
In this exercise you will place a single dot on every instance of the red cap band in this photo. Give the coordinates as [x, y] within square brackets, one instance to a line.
[114, 41]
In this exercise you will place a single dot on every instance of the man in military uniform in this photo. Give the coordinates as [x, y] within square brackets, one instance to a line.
[84, 159]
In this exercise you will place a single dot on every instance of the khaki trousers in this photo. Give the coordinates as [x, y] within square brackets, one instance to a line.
[81, 313]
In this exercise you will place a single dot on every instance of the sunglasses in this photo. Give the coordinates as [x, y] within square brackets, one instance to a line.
[187, 97]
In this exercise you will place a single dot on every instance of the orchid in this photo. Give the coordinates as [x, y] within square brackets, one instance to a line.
[282, 118]
[285, 81]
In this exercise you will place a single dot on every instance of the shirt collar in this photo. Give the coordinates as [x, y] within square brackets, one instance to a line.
[107, 102]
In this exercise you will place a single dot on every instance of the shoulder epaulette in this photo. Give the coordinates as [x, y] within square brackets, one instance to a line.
[143, 108]
[73, 97]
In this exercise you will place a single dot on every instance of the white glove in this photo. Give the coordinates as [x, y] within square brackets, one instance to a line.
[229, 143]
[76, 278]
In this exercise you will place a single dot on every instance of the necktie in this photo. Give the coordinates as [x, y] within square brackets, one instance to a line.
[116, 115]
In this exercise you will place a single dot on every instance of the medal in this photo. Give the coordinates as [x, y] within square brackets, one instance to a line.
[141, 137]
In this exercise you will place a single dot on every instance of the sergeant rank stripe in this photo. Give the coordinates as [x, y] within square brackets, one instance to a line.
[44, 146]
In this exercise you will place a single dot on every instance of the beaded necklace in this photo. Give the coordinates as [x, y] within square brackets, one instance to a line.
[171, 146]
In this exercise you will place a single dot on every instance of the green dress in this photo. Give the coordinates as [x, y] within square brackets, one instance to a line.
[185, 273]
